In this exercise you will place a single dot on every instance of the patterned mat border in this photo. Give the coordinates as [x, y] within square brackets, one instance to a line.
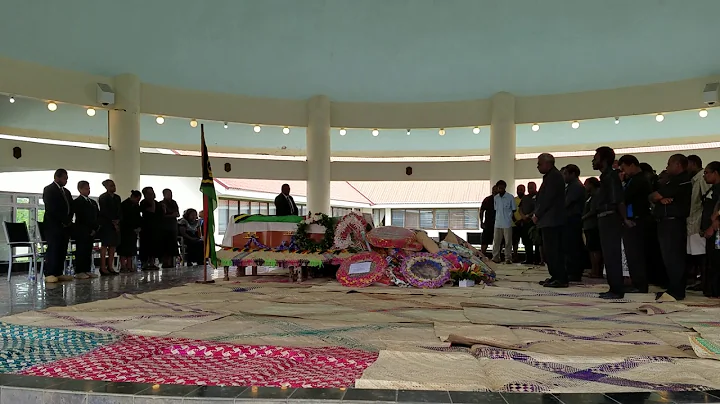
[19, 389]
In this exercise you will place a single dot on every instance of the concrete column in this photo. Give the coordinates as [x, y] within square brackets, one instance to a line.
[318, 155]
[502, 140]
[124, 132]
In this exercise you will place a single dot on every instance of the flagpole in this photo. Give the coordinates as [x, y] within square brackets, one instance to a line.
[206, 212]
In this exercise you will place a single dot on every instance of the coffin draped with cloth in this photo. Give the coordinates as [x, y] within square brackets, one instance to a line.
[366, 256]
[292, 241]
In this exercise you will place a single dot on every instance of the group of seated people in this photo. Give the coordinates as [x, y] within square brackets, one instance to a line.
[118, 225]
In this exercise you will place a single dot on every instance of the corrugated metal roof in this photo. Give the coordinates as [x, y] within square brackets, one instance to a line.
[339, 190]
[382, 192]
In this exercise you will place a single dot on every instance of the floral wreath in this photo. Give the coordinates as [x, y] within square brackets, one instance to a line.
[303, 240]
[378, 267]
[422, 259]
[350, 231]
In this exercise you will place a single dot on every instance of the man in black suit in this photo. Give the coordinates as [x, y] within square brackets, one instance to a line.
[86, 225]
[284, 203]
[550, 217]
[57, 220]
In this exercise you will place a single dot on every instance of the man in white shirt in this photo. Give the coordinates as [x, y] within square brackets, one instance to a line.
[504, 209]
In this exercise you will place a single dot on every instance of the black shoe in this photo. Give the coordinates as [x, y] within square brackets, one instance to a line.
[611, 296]
[556, 284]
[698, 287]
[575, 279]
[548, 280]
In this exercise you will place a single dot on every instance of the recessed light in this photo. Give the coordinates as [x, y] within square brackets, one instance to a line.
[90, 111]
[52, 107]
[575, 124]
[535, 127]
[286, 130]
[160, 120]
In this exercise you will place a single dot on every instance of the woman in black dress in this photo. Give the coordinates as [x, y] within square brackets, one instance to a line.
[109, 232]
[590, 228]
[152, 213]
[169, 229]
[191, 232]
[130, 222]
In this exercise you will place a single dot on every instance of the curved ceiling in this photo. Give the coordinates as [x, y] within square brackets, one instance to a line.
[371, 50]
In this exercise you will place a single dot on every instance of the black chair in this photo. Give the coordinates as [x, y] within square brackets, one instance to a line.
[17, 236]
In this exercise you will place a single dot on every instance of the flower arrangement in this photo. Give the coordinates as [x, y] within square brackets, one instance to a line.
[350, 231]
[378, 268]
[302, 238]
[426, 271]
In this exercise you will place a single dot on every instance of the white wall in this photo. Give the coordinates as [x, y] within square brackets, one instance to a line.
[38, 156]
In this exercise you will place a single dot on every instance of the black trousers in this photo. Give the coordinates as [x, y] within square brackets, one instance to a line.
[83, 253]
[672, 235]
[527, 241]
[656, 273]
[634, 241]
[611, 229]
[57, 246]
[552, 238]
[574, 247]
[712, 272]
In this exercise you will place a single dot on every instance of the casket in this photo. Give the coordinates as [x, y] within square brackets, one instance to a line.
[270, 234]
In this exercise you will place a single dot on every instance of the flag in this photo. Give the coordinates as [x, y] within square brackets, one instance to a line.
[207, 187]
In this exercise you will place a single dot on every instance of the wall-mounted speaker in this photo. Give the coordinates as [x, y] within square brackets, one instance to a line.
[408, 170]
[17, 152]
[228, 167]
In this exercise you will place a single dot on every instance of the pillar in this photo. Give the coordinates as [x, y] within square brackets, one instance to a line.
[318, 155]
[502, 140]
[124, 134]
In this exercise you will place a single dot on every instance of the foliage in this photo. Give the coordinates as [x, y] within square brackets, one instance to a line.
[303, 240]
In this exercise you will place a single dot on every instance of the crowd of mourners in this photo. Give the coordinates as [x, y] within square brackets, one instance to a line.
[631, 225]
[144, 233]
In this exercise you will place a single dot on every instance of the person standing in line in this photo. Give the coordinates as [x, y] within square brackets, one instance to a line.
[612, 214]
[109, 233]
[284, 203]
[550, 218]
[517, 222]
[487, 221]
[57, 222]
[169, 235]
[130, 222]
[84, 229]
[636, 191]
[526, 208]
[709, 225]
[573, 231]
[504, 204]
[590, 228]
[152, 214]
[672, 208]
[695, 241]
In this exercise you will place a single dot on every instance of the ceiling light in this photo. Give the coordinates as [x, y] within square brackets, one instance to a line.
[575, 124]
[12, 100]
[343, 132]
[659, 117]
[160, 120]
[286, 130]
[408, 132]
[535, 127]
[193, 123]
[703, 113]
[476, 130]
[225, 125]
[441, 132]
[375, 132]
[617, 120]
[90, 111]
[52, 106]
[257, 128]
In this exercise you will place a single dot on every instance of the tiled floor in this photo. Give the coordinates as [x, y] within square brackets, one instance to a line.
[20, 294]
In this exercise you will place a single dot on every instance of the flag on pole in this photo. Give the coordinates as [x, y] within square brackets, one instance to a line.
[207, 187]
